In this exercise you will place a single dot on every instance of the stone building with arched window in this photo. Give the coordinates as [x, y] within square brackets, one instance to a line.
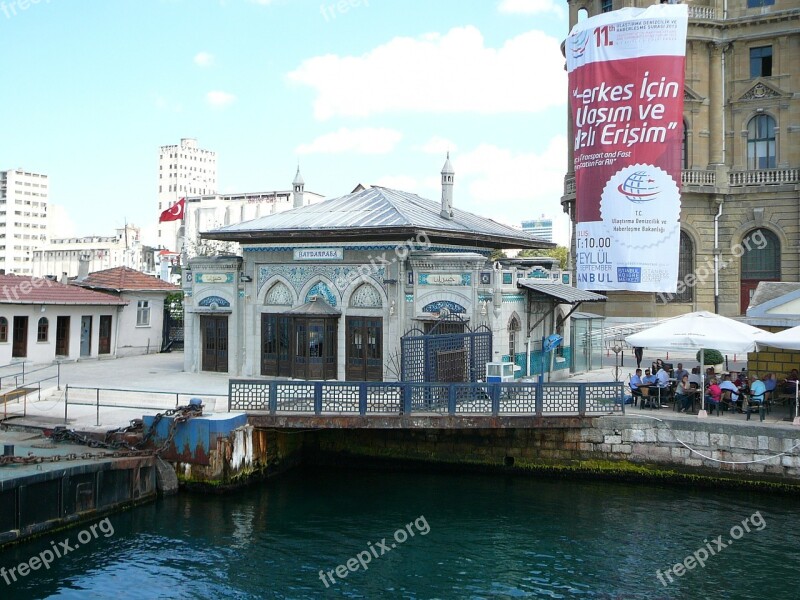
[326, 291]
[740, 185]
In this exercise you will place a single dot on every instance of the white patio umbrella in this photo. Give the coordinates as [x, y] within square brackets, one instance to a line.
[698, 331]
[788, 339]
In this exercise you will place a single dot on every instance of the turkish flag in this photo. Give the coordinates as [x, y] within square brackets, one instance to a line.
[174, 212]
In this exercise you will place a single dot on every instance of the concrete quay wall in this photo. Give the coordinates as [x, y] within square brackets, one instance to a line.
[636, 447]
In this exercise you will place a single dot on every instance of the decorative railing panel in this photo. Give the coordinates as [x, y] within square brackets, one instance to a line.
[405, 398]
[699, 178]
[764, 177]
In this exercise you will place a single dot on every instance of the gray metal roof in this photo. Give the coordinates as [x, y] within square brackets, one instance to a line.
[563, 293]
[770, 290]
[376, 209]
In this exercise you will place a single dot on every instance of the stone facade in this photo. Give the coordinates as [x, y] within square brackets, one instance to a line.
[722, 98]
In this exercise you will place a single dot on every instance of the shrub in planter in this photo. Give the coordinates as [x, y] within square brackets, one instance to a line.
[711, 357]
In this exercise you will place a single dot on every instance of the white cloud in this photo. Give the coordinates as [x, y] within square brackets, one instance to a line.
[530, 7]
[442, 73]
[220, 99]
[59, 223]
[368, 140]
[438, 145]
[204, 59]
[511, 187]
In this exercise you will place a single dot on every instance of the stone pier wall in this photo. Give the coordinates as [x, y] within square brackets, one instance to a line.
[628, 447]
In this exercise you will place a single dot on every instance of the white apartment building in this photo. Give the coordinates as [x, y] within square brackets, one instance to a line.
[23, 218]
[62, 257]
[183, 170]
[205, 213]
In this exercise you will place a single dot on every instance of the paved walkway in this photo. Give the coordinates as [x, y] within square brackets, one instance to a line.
[162, 383]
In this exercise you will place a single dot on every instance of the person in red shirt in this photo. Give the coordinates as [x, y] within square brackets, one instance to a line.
[713, 393]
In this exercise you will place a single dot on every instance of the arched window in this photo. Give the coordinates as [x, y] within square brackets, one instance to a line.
[42, 330]
[761, 143]
[582, 14]
[685, 268]
[513, 331]
[761, 261]
[3, 329]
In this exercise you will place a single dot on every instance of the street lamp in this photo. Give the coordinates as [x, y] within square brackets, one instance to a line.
[617, 349]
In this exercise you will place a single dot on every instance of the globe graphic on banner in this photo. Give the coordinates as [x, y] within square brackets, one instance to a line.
[639, 186]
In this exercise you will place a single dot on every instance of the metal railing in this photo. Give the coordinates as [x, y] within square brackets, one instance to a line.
[19, 376]
[23, 386]
[362, 398]
[75, 395]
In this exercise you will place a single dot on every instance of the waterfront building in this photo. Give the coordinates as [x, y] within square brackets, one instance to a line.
[184, 170]
[540, 228]
[42, 320]
[740, 183]
[62, 257]
[140, 322]
[355, 287]
[23, 218]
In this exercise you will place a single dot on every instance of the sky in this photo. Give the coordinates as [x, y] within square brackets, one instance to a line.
[355, 91]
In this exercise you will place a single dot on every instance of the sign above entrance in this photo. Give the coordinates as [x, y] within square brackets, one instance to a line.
[213, 277]
[318, 254]
[445, 279]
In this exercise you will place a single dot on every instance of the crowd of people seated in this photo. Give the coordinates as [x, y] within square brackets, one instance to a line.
[734, 391]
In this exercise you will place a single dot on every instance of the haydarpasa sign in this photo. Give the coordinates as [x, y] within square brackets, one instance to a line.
[626, 72]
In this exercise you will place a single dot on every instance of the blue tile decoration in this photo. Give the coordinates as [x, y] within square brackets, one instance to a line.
[486, 278]
[409, 297]
[508, 278]
[209, 300]
[435, 307]
[320, 289]
[341, 276]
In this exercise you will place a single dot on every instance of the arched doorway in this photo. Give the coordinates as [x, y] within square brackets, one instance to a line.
[761, 261]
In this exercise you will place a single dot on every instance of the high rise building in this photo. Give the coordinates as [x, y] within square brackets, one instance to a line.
[540, 228]
[184, 170]
[740, 184]
[23, 218]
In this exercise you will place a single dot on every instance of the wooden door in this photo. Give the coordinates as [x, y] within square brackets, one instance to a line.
[62, 336]
[104, 346]
[364, 348]
[215, 343]
[19, 347]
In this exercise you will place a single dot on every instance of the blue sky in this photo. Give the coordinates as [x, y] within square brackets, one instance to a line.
[372, 91]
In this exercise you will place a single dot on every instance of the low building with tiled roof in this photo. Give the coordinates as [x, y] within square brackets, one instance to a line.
[42, 320]
[141, 325]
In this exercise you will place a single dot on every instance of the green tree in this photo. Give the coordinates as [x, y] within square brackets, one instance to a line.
[497, 254]
[559, 252]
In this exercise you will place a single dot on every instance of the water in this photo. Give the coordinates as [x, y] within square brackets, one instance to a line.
[489, 536]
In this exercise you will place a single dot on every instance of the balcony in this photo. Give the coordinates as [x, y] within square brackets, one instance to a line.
[706, 181]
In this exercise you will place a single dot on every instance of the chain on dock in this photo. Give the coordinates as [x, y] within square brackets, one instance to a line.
[118, 449]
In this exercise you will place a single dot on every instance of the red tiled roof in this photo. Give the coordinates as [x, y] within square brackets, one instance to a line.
[121, 279]
[15, 289]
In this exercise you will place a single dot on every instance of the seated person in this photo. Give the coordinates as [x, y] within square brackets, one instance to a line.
[713, 393]
[680, 372]
[741, 379]
[770, 382]
[648, 379]
[635, 382]
[695, 377]
[683, 394]
[710, 374]
[757, 393]
[728, 385]
[662, 378]
[789, 385]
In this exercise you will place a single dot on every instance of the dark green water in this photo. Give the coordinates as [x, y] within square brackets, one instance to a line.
[488, 537]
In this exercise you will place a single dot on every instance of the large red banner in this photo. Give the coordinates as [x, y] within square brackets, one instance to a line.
[626, 72]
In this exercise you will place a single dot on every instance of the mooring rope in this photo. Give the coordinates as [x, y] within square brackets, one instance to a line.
[717, 460]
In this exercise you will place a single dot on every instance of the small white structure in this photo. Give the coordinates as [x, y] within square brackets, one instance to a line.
[141, 322]
[42, 320]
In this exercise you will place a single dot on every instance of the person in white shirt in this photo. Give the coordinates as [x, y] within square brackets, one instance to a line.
[662, 378]
[727, 384]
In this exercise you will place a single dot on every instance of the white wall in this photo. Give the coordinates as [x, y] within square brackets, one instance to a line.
[134, 339]
[45, 352]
